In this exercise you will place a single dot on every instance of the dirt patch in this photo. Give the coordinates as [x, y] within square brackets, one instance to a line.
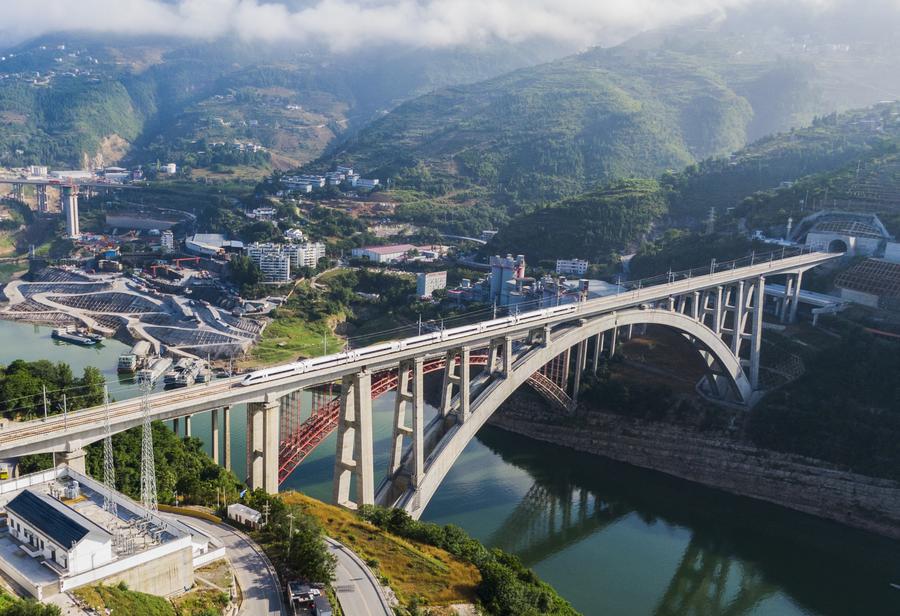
[113, 148]
[11, 117]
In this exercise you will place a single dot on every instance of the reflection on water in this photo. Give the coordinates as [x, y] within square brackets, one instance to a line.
[614, 539]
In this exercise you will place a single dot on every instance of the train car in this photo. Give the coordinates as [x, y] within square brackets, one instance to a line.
[278, 372]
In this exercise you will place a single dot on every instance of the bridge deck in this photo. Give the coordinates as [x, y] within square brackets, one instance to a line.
[59, 433]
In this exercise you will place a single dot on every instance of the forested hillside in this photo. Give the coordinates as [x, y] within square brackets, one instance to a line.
[591, 226]
[654, 104]
[66, 99]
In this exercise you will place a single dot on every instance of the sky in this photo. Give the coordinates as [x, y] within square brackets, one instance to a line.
[344, 25]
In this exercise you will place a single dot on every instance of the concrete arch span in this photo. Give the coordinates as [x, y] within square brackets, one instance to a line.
[451, 444]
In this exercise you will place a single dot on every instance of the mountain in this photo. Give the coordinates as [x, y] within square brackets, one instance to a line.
[848, 161]
[658, 102]
[70, 99]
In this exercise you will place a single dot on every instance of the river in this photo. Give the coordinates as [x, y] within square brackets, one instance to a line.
[612, 539]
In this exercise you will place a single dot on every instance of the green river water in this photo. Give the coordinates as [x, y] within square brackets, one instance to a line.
[614, 540]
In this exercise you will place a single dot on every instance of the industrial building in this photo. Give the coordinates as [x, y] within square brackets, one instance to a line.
[383, 254]
[429, 282]
[571, 267]
[211, 244]
[62, 535]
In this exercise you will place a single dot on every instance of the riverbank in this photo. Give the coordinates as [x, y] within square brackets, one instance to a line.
[717, 458]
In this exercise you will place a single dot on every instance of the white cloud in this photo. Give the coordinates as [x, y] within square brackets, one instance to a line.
[350, 24]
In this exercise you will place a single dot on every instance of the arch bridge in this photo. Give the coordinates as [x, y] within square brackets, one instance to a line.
[718, 309]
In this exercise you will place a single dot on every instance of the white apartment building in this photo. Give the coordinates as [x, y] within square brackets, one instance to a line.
[271, 257]
[275, 267]
[571, 267]
[167, 241]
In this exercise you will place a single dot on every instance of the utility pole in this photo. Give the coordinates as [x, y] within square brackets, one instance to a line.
[109, 469]
[149, 498]
[44, 388]
[65, 414]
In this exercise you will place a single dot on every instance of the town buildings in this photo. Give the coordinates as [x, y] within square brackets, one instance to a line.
[571, 267]
[276, 261]
[429, 282]
[167, 241]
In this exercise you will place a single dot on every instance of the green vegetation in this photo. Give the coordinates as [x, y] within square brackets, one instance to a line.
[301, 327]
[119, 600]
[293, 539]
[22, 386]
[592, 226]
[415, 571]
[507, 588]
[25, 607]
[181, 465]
[678, 250]
[845, 409]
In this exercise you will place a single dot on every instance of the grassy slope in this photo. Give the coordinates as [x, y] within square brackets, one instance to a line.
[412, 569]
[123, 601]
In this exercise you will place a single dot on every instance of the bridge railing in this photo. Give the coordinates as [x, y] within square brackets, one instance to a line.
[714, 266]
[482, 314]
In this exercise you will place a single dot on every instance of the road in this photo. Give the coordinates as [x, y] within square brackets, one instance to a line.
[259, 586]
[355, 585]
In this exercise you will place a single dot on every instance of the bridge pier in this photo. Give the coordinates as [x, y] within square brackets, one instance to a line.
[759, 301]
[598, 349]
[187, 426]
[354, 457]
[262, 441]
[214, 433]
[226, 421]
[175, 423]
[580, 356]
[612, 342]
[42, 198]
[75, 459]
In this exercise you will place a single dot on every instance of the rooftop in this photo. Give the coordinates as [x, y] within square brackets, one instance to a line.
[58, 521]
[875, 276]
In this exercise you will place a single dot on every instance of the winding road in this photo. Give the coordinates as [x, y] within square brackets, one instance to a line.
[356, 587]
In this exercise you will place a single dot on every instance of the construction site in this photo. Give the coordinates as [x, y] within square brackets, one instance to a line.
[133, 308]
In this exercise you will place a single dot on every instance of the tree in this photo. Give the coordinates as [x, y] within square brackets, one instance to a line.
[244, 272]
[307, 552]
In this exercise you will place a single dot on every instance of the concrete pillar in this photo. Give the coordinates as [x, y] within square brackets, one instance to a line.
[756, 337]
[738, 325]
[214, 433]
[795, 300]
[226, 421]
[354, 447]
[507, 356]
[612, 342]
[695, 307]
[546, 340]
[271, 416]
[717, 311]
[786, 300]
[449, 379]
[255, 445]
[579, 359]
[464, 401]
[670, 303]
[418, 418]
[598, 348]
[187, 426]
[74, 459]
[175, 424]
[404, 396]
[630, 331]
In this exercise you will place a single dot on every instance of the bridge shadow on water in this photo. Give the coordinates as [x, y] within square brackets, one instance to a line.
[740, 551]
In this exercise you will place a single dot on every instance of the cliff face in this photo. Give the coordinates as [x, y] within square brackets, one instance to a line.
[716, 459]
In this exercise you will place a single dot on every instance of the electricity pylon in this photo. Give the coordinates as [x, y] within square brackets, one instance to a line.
[148, 466]
[109, 469]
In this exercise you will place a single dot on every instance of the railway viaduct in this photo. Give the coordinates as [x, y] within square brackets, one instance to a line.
[718, 309]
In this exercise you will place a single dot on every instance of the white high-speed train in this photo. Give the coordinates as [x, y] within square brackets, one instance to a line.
[386, 348]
